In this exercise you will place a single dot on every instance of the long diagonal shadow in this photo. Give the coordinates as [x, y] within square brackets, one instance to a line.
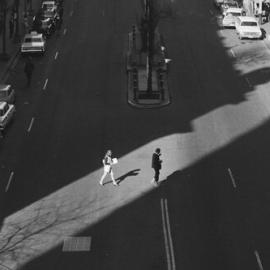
[130, 173]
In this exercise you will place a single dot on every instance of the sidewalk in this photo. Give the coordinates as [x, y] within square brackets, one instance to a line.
[12, 45]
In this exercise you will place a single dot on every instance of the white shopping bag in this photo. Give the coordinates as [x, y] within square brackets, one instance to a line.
[114, 161]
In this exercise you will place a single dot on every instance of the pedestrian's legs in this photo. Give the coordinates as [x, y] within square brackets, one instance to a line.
[102, 178]
[112, 177]
[156, 175]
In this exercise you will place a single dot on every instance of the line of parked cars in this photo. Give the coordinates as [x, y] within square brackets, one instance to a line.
[234, 16]
[7, 108]
[44, 24]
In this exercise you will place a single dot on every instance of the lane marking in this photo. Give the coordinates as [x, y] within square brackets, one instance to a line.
[258, 259]
[9, 181]
[65, 31]
[45, 84]
[211, 12]
[71, 13]
[167, 235]
[31, 124]
[103, 13]
[56, 55]
[232, 178]
[233, 54]
[248, 82]
[170, 234]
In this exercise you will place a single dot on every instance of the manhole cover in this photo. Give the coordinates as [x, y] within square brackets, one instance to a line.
[77, 244]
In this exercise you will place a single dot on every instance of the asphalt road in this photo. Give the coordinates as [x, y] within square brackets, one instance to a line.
[211, 210]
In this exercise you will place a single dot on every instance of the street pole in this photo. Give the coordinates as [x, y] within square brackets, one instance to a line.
[4, 55]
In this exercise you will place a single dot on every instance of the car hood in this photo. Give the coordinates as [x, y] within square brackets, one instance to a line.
[32, 44]
[250, 29]
[229, 19]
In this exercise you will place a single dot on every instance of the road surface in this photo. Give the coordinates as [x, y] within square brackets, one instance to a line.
[211, 210]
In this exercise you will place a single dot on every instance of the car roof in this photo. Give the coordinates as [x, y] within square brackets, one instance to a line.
[33, 34]
[234, 9]
[247, 19]
[48, 2]
[4, 87]
[2, 105]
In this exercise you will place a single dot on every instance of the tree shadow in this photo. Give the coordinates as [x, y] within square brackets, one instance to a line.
[213, 224]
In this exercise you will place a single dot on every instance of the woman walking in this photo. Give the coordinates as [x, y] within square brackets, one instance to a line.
[108, 162]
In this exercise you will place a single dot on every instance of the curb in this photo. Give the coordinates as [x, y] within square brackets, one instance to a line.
[4, 75]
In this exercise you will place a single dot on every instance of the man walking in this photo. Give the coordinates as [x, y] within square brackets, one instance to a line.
[156, 165]
[11, 27]
[28, 69]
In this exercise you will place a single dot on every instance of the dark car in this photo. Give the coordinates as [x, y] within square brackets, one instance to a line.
[43, 25]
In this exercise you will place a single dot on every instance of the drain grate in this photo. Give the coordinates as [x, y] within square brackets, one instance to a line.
[77, 244]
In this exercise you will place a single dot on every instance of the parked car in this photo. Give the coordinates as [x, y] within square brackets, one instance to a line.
[218, 3]
[248, 27]
[228, 4]
[230, 16]
[42, 25]
[7, 112]
[33, 43]
[7, 93]
[49, 5]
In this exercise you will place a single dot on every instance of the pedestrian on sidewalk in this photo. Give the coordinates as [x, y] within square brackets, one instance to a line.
[11, 27]
[28, 70]
[156, 165]
[108, 161]
[25, 23]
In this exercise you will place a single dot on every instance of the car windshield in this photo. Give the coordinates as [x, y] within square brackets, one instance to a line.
[48, 13]
[232, 5]
[48, 6]
[248, 24]
[33, 39]
[233, 14]
[4, 110]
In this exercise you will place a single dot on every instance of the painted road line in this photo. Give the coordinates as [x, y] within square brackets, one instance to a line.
[170, 234]
[211, 12]
[103, 13]
[65, 31]
[31, 124]
[232, 178]
[166, 241]
[71, 13]
[258, 259]
[56, 55]
[167, 235]
[248, 82]
[45, 84]
[9, 181]
[232, 52]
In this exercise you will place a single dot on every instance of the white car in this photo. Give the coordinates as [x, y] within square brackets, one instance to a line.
[230, 16]
[248, 27]
[49, 5]
[228, 4]
[7, 112]
[33, 43]
[7, 93]
[218, 3]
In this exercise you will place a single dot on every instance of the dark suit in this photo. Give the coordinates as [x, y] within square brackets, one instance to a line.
[156, 165]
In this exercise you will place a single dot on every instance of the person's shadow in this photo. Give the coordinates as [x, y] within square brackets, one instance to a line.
[130, 173]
